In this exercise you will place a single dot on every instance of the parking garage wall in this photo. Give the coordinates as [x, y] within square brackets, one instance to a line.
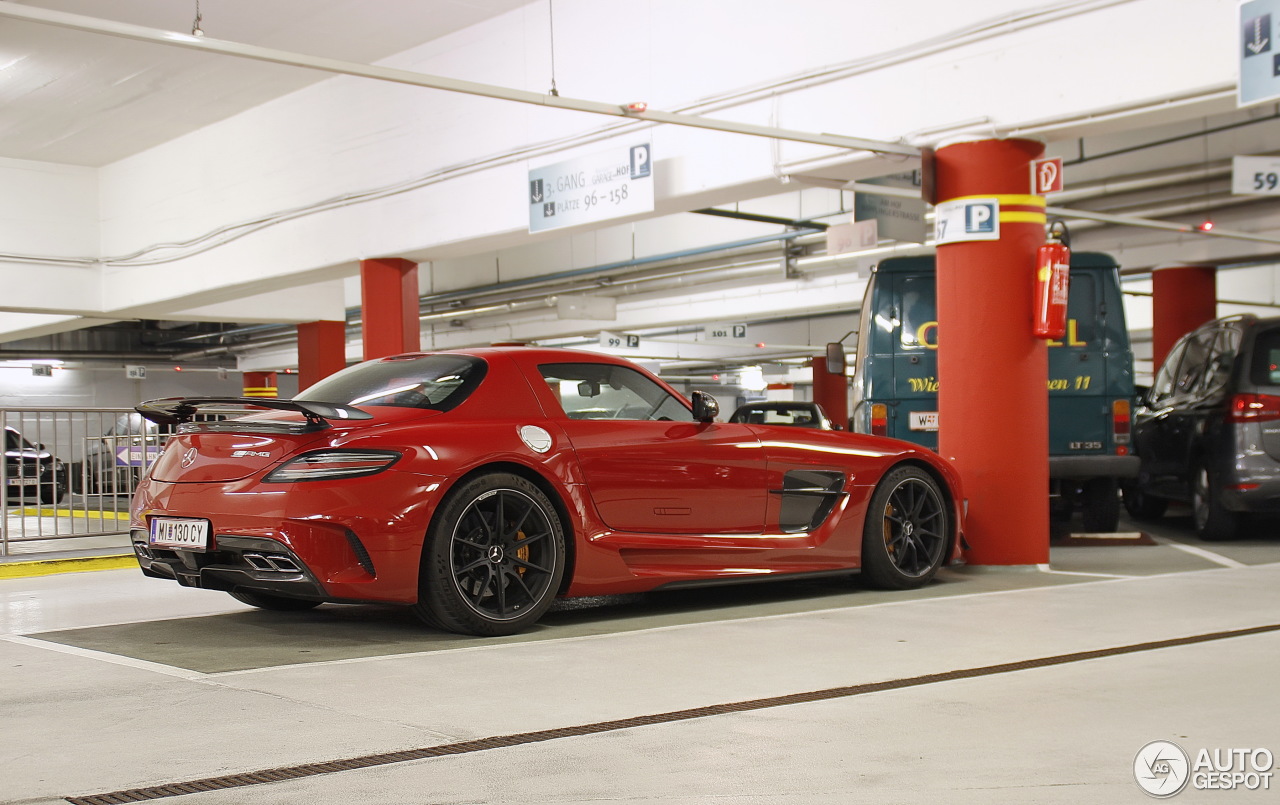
[94, 387]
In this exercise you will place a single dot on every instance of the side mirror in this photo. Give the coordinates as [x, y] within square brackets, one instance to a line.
[705, 407]
[835, 358]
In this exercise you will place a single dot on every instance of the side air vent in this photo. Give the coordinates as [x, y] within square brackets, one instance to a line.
[808, 496]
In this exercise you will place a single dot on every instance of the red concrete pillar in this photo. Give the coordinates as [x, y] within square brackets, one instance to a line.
[831, 391]
[1183, 297]
[260, 384]
[993, 402]
[389, 312]
[322, 350]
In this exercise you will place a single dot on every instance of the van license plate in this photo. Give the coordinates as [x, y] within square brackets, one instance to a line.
[923, 420]
[170, 533]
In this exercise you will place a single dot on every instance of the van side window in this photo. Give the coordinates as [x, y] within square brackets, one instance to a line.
[1082, 310]
[1195, 361]
[1225, 347]
[1162, 386]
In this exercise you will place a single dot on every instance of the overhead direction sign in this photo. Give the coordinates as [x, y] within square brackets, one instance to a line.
[1259, 52]
[590, 188]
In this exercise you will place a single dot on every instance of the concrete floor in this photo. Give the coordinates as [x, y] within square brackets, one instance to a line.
[759, 694]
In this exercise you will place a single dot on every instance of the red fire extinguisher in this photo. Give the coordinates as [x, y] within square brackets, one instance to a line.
[1053, 279]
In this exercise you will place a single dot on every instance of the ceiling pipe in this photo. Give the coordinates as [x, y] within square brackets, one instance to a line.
[227, 48]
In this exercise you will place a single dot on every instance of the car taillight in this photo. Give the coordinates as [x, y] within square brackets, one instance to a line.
[1254, 408]
[879, 419]
[327, 465]
[1120, 424]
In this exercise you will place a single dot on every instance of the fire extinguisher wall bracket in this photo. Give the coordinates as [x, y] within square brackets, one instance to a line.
[1052, 283]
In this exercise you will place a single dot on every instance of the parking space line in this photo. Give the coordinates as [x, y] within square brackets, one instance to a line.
[114, 659]
[1049, 569]
[1216, 558]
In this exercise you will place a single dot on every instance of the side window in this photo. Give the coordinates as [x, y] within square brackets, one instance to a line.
[1195, 362]
[1083, 310]
[1265, 370]
[1223, 357]
[605, 391]
[1163, 385]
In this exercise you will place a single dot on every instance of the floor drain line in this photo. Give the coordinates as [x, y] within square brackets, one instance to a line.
[286, 773]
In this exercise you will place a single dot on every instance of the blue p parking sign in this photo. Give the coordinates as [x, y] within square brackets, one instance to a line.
[980, 218]
[967, 219]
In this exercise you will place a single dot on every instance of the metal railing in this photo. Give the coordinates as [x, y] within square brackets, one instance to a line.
[70, 473]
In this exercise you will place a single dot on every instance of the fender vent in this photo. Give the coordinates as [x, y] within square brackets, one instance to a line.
[808, 496]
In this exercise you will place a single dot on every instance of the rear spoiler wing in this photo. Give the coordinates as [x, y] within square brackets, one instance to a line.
[177, 410]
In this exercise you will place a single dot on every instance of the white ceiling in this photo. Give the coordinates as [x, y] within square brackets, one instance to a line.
[84, 99]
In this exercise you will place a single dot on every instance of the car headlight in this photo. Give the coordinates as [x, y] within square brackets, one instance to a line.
[326, 465]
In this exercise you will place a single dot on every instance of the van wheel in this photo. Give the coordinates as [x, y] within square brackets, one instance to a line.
[1141, 505]
[907, 532]
[1100, 505]
[1213, 522]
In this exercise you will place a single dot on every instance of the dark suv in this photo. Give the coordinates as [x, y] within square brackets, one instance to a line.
[1208, 431]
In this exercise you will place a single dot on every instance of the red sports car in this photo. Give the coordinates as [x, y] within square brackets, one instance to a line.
[478, 485]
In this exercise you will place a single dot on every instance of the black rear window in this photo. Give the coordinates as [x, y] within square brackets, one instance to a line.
[1265, 370]
[435, 382]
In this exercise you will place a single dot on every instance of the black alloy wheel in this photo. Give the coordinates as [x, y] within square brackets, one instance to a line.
[908, 530]
[494, 558]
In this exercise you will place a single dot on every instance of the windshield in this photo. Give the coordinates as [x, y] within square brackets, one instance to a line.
[436, 382]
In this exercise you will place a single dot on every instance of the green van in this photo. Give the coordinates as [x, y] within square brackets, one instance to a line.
[1090, 379]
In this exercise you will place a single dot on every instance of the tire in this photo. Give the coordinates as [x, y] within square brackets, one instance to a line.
[1100, 505]
[493, 559]
[276, 603]
[53, 492]
[908, 531]
[1213, 522]
[1141, 505]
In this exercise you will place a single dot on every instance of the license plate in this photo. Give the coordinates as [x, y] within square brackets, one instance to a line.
[25, 481]
[923, 420]
[171, 533]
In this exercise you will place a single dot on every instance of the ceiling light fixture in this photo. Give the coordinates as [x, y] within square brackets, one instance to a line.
[195, 24]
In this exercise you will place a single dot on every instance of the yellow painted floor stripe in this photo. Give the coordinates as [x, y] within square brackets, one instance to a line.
[48, 567]
[91, 515]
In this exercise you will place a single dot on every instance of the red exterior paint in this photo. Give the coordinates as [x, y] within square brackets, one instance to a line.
[610, 478]
[322, 350]
[389, 307]
[1182, 299]
[831, 392]
[993, 405]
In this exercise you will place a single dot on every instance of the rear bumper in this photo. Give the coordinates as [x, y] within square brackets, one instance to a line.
[262, 565]
[359, 540]
[1079, 467]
